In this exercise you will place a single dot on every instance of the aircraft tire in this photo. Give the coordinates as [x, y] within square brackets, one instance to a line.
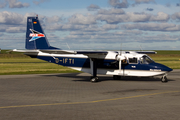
[116, 77]
[94, 79]
[164, 79]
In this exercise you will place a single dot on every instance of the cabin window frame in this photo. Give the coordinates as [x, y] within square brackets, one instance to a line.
[133, 62]
[146, 60]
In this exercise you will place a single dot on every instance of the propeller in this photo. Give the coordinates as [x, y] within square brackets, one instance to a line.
[119, 58]
[120, 65]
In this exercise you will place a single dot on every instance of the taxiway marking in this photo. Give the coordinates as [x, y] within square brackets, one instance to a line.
[105, 100]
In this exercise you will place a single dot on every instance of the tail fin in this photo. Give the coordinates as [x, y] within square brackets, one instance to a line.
[35, 37]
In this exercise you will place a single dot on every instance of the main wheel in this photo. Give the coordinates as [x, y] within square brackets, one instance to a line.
[94, 79]
[116, 77]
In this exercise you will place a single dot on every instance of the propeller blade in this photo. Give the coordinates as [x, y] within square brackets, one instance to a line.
[119, 65]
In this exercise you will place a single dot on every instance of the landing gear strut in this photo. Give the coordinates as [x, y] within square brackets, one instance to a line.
[164, 79]
[93, 65]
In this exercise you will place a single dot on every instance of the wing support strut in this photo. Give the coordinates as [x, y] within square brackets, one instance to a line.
[93, 67]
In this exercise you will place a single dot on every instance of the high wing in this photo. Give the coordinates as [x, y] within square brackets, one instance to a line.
[89, 53]
[73, 52]
[146, 52]
[54, 51]
[93, 52]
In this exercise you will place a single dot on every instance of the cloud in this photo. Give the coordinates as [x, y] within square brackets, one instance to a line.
[17, 4]
[82, 19]
[168, 5]
[176, 16]
[93, 7]
[16, 29]
[160, 17]
[53, 19]
[117, 4]
[132, 17]
[160, 37]
[3, 4]
[65, 27]
[143, 1]
[126, 36]
[10, 18]
[52, 37]
[111, 11]
[13, 22]
[166, 27]
[37, 2]
[1, 34]
[149, 9]
[110, 27]
[129, 32]
[178, 4]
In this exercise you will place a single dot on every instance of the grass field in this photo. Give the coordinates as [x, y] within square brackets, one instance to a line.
[168, 58]
[17, 63]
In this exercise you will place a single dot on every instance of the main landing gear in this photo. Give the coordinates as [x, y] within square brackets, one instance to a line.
[164, 79]
[93, 65]
[116, 77]
[94, 79]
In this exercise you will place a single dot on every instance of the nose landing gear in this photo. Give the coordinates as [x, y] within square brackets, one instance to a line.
[164, 78]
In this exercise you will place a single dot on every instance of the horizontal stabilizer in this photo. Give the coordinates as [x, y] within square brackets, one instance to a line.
[25, 51]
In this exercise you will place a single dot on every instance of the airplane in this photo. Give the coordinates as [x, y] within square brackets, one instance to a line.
[115, 63]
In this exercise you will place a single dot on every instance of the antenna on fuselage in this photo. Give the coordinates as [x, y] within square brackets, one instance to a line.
[68, 46]
[121, 49]
[140, 48]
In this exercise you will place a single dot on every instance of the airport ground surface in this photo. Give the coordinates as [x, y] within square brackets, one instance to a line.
[74, 97]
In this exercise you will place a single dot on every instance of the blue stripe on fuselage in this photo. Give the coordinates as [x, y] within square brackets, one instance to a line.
[79, 62]
[102, 63]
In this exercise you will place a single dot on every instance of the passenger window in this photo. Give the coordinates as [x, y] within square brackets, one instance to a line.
[133, 60]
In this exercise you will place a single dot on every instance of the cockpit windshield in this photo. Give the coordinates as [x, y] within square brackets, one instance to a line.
[146, 60]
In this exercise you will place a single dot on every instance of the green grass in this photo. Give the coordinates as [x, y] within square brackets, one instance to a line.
[30, 66]
[168, 58]
[168, 52]
[17, 63]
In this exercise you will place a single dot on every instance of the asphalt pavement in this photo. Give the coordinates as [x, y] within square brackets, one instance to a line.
[73, 97]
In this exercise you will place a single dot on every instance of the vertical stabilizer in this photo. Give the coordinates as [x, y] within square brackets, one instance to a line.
[35, 36]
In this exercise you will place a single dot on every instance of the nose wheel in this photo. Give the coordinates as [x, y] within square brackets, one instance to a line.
[164, 79]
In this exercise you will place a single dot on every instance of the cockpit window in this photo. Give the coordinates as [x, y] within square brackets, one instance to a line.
[146, 60]
[133, 60]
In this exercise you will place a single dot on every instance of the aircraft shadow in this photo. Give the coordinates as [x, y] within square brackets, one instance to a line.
[86, 78]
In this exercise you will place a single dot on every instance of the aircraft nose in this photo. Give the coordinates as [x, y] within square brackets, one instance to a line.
[163, 67]
[167, 69]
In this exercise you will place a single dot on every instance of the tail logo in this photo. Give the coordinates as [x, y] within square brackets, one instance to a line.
[35, 35]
